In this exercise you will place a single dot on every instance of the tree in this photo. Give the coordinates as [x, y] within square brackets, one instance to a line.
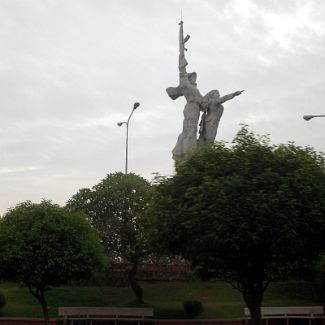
[250, 213]
[44, 245]
[115, 208]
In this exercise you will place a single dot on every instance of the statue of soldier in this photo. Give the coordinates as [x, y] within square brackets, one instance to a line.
[195, 103]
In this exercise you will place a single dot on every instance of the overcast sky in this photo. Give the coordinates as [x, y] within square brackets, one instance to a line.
[70, 70]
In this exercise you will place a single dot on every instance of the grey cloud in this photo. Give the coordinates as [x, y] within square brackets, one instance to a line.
[69, 71]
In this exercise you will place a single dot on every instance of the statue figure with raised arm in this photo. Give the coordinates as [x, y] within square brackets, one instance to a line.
[187, 88]
[210, 104]
[211, 117]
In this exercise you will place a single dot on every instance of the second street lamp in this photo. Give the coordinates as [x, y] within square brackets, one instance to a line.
[309, 117]
[135, 106]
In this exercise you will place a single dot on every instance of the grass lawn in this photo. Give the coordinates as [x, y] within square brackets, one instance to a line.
[219, 299]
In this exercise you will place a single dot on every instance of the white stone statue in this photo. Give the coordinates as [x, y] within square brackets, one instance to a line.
[210, 104]
[211, 117]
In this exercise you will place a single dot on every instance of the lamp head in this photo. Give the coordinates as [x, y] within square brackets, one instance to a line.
[136, 105]
[308, 117]
[120, 123]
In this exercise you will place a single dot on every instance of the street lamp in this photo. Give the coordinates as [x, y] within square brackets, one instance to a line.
[135, 106]
[309, 117]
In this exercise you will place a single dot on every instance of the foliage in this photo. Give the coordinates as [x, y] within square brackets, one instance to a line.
[44, 245]
[193, 308]
[250, 213]
[115, 208]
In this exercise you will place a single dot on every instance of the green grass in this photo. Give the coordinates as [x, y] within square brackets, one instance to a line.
[219, 299]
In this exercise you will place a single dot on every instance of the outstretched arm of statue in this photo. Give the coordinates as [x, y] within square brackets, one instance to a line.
[229, 96]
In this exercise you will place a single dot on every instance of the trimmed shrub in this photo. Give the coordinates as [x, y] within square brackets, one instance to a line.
[193, 308]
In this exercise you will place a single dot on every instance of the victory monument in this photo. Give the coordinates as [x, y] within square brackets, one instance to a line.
[210, 105]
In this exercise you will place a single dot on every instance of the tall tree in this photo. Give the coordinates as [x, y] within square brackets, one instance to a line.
[44, 245]
[250, 213]
[115, 208]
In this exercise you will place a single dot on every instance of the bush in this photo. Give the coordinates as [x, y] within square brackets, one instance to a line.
[193, 308]
[2, 300]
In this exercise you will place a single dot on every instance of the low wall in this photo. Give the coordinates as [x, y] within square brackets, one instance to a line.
[59, 321]
[28, 321]
[117, 274]
[236, 321]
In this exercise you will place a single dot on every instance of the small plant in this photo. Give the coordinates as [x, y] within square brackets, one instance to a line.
[2, 300]
[193, 308]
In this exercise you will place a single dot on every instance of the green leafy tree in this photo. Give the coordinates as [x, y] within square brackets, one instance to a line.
[115, 208]
[44, 245]
[250, 213]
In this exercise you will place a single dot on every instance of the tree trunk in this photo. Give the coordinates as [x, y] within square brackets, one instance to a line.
[134, 283]
[39, 294]
[44, 308]
[253, 296]
[255, 312]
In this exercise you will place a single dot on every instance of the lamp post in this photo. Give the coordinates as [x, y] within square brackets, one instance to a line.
[135, 106]
[309, 117]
